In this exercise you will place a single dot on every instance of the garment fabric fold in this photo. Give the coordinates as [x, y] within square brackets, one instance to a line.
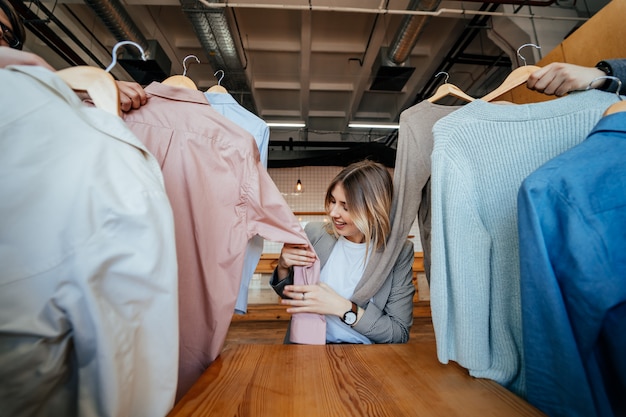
[225, 104]
[222, 196]
[481, 155]
[88, 284]
[572, 228]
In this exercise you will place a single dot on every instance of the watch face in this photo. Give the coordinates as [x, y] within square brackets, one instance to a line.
[349, 317]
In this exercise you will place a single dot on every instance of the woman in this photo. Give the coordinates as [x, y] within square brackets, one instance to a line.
[12, 38]
[12, 33]
[358, 202]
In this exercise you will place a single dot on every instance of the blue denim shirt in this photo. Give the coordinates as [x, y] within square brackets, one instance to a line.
[572, 231]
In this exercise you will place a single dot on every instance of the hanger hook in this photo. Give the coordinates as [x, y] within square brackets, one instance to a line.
[185, 63]
[446, 74]
[523, 46]
[117, 46]
[608, 77]
[219, 82]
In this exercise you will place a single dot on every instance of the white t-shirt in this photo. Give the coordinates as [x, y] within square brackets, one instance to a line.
[342, 272]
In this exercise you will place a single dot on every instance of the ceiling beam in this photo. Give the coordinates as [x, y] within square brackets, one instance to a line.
[305, 64]
[376, 41]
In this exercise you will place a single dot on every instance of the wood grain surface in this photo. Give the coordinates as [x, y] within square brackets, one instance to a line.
[343, 380]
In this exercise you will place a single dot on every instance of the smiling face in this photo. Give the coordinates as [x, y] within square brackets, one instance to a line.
[339, 212]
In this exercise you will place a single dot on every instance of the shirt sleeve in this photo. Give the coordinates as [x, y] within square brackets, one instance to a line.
[567, 291]
[459, 294]
[125, 311]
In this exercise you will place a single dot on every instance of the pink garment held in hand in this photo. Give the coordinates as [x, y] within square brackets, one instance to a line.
[307, 328]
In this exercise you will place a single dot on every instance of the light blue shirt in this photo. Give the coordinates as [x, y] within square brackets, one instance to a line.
[225, 104]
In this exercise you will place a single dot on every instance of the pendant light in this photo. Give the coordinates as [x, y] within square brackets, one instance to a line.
[299, 188]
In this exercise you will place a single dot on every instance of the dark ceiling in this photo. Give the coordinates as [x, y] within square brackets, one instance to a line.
[323, 63]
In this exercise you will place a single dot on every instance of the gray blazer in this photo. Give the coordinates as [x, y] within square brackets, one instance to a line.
[389, 314]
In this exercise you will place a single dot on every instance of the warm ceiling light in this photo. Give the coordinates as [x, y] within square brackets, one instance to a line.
[299, 189]
[286, 124]
[372, 126]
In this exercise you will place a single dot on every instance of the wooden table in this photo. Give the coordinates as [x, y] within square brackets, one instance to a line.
[343, 380]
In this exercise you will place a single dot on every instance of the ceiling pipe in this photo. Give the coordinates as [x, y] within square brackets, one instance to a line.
[213, 31]
[443, 12]
[470, 31]
[538, 3]
[410, 29]
[118, 21]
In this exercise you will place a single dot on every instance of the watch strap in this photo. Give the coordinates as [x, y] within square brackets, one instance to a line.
[353, 309]
[605, 67]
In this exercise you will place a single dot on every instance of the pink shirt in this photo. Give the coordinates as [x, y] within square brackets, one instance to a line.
[221, 196]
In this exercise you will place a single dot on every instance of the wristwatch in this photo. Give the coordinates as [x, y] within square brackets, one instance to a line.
[350, 316]
[605, 68]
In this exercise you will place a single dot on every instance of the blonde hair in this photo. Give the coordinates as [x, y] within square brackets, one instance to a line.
[368, 187]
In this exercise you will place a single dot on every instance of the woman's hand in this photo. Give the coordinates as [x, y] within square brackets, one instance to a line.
[319, 299]
[294, 255]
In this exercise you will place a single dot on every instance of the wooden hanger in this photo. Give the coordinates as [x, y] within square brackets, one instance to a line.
[99, 84]
[217, 88]
[517, 77]
[620, 106]
[447, 89]
[182, 80]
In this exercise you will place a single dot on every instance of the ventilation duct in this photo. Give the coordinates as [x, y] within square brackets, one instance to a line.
[213, 31]
[392, 68]
[409, 31]
[407, 35]
[389, 76]
[119, 23]
[157, 65]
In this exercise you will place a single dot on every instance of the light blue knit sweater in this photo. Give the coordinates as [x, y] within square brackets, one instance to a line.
[482, 152]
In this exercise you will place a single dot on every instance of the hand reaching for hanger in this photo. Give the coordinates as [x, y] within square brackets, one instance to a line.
[132, 95]
[559, 78]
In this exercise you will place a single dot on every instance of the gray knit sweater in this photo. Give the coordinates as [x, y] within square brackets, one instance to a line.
[412, 171]
[482, 152]
[411, 175]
